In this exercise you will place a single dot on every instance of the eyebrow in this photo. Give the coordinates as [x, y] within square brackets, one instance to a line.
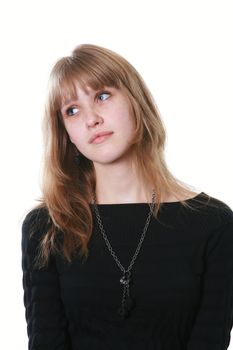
[76, 97]
[67, 102]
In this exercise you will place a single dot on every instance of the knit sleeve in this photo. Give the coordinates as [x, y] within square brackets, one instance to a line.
[213, 323]
[45, 316]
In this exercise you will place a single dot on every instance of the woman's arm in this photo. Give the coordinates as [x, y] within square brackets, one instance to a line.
[214, 319]
[45, 316]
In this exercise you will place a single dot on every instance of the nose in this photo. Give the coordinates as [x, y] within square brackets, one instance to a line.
[93, 118]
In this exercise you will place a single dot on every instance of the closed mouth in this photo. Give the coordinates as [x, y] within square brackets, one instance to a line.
[101, 135]
[101, 138]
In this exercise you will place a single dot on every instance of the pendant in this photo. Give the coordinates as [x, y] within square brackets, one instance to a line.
[124, 310]
[130, 303]
[125, 279]
[123, 313]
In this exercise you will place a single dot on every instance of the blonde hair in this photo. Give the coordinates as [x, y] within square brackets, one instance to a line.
[67, 188]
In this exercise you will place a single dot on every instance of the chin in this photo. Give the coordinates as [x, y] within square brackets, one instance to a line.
[109, 156]
[110, 159]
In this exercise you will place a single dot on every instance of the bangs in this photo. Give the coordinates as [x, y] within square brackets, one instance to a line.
[70, 71]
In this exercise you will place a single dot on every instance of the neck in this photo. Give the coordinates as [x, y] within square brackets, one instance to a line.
[120, 185]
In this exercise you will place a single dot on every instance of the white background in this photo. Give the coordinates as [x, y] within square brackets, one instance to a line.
[183, 49]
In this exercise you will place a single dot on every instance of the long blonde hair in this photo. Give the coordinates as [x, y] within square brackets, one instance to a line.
[67, 188]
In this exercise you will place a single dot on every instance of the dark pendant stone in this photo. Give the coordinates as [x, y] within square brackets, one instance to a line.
[123, 313]
[130, 303]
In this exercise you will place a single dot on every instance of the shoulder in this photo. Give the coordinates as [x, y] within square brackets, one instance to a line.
[209, 213]
[224, 217]
[218, 219]
[36, 218]
[219, 209]
[35, 225]
[213, 224]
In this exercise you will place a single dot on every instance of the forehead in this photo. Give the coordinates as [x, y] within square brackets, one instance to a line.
[75, 93]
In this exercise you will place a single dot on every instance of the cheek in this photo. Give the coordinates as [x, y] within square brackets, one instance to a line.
[129, 123]
[72, 131]
[124, 115]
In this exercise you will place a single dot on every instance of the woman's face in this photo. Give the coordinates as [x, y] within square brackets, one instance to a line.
[99, 111]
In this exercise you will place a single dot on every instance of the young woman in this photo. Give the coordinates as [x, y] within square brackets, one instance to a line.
[119, 254]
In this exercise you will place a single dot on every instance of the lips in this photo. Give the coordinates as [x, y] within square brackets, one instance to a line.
[104, 133]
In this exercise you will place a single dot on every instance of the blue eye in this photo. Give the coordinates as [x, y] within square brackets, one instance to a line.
[103, 93]
[70, 109]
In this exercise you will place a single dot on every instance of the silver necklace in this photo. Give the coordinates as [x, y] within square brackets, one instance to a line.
[127, 303]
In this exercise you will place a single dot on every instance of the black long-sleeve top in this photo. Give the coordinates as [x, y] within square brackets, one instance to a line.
[182, 282]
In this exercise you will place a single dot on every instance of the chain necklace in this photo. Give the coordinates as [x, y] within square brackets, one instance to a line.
[127, 303]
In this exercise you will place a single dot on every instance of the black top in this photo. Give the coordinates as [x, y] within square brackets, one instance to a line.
[182, 282]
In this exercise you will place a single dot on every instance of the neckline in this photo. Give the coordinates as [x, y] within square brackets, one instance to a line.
[146, 203]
